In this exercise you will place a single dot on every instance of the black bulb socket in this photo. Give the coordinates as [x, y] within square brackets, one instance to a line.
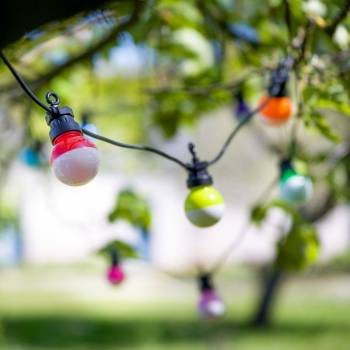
[278, 89]
[285, 165]
[205, 282]
[198, 175]
[115, 260]
[61, 120]
[279, 78]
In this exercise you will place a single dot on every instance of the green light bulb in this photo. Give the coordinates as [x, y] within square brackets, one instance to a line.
[204, 206]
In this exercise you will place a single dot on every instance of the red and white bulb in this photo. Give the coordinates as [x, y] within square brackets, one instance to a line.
[74, 158]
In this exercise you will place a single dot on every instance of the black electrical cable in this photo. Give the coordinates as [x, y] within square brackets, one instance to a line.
[23, 84]
[137, 147]
[219, 263]
[244, 121]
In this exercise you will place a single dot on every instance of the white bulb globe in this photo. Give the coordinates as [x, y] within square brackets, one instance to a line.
[297, 189]
[216, 308]
[77, 167]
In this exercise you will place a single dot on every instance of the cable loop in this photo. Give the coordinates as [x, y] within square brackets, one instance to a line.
[52, 99]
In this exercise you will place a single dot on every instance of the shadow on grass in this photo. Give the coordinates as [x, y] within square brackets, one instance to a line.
[42, 332]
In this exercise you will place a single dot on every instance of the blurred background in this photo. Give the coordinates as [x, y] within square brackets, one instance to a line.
[115, 264]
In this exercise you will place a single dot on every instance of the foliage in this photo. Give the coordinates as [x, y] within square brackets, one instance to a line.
[132, 207]
[125, 250]
[299, 248]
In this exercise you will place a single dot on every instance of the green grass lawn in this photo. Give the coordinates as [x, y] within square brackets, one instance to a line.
[306, 317]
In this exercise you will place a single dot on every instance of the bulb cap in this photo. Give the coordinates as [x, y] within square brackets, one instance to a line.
[199, 176]
[61, 120]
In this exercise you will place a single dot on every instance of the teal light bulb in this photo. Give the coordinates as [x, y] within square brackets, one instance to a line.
[295, 188]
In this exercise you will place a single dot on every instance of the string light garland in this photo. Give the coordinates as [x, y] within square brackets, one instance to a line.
[75, 158]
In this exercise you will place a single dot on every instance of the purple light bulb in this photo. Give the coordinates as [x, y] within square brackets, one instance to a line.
[210, 305]
[242, 110]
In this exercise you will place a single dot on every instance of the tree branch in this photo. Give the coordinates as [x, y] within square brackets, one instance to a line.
[330, 201]
[299, 43]
[331, 28]
[205, 90]
[288, 19]
[88, 53]
[317, 214]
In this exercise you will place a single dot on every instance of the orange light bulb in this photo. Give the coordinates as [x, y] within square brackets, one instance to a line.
[276, 111]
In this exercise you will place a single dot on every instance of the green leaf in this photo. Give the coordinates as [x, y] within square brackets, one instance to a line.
[133, 208]
[318, 122]
[258, 214]
[299, 249]
[287, 208]
[124, 249]
[339, 106]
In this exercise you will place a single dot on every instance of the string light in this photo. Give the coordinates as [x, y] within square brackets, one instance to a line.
[241, 107]
[294, 188]
[277, 106]
[75, 159]
[210, 305]
[32, 155]
[115, 274]
[204, 205]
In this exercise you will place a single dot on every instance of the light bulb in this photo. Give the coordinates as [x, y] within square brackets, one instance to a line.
[32, 154]
[30, 157]
[74, 158]
[295, 188]
[242, 110]
[115, 275]
[210, 305]
[276, 111]
[204, 206]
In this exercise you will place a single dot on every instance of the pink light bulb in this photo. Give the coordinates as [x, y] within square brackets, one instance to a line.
[115, 275]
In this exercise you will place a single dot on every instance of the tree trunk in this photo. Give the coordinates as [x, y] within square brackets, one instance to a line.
[272, 277]
[270, 285]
